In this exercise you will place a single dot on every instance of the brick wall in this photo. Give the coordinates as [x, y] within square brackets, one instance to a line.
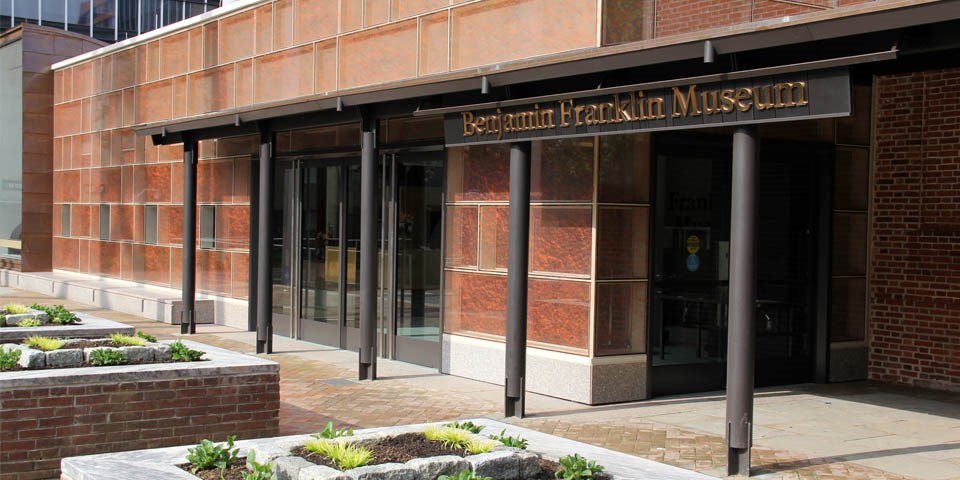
[915, 258]
[41, 425]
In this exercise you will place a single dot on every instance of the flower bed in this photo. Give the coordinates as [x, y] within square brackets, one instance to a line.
[49, 414]
[49, 352]
[503, 463]
[64, 324]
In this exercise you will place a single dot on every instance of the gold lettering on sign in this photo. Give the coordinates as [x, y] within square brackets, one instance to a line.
[684, 106]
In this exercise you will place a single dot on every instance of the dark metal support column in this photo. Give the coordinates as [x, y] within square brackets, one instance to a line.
[368, 251]
[519, 253]
[264, 269]
[824, 223]
[188, 287]
[254, 254]
[743, 296]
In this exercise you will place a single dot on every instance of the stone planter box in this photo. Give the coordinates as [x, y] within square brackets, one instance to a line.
[14, 319]
[162, 463]
[68, 357]
[90, 327]
[47, 415]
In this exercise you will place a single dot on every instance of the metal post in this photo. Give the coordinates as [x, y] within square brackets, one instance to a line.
[519, 253]
[824, 237]
[368, 250]
[743, 295]
[264, 269]
[188, 288]
[252, 277]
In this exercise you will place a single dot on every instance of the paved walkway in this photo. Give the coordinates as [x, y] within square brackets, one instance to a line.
[846, 431]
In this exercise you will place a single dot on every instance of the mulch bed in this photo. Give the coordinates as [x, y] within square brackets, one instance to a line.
[405, 447]
[233, 472]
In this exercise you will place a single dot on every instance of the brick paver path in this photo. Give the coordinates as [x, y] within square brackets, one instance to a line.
[313, 392]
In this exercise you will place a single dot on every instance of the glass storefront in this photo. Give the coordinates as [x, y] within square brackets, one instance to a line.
[11, 148]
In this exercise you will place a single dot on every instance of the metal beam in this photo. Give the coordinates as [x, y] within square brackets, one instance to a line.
[254, 252]
[368, 250]
[742, 304]
[188, 286]
[519, 254]
[264, 269]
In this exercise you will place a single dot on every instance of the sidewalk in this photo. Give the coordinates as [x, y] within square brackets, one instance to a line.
[843, 431]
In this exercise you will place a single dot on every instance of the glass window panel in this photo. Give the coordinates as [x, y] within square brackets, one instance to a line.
[65, 220]
[621, 318]
[104, 222]
[478, 173]
[624, 21]
[11, 140]
[848, 309]
[462, 232]
[149, 15]
[150, 224]
[849, 243]
[494, 237]
[624, 168]
[126, 20]
[475, 303]
[53, 13]
[208, 215]
[562, 170]
[851, 178]
[104, 19]
[622, 242]
[5, 18]
[558, 312]
[26, 11]
[560, 239]
[78, 16]
[411, 129]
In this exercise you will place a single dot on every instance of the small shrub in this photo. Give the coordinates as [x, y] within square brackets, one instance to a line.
[330, 432]
[209, 455]
[103, 357]
[476, 446]
[43, 343]
[3, 320]
[344, 454]
[463, 475]
[58, 314]
[575, 467]
[127, 340]
[183, 353]
[258, 471]
[451, 437]
[516, 442]
[9, 358]
[468, 426]
[147, 337]
[16, 308]
[29, 322]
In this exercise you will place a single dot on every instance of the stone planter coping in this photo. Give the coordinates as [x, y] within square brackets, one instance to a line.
[216, 362]
[90, 327]
[161, 463]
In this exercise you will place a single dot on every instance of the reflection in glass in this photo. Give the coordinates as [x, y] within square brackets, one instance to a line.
[281, 250]
[624, 168]
[621, 318]
[320, 244]
[562, 170]
[11, 143]
[419, 219]
[352, 219]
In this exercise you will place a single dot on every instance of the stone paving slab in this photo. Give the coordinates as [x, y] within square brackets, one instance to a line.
[408, 394]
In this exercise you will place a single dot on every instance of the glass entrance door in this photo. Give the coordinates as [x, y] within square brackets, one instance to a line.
[414, 230]
[316, 259]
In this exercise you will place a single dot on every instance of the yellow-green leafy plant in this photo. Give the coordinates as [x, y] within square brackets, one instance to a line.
[43, 343]
[147, 337]
[477, 446]
[451, 437]
[16, 308]
[127, 340]
[344, 455]
[29, 322]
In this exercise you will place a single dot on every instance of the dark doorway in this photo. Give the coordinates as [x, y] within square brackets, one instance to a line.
[691, 262]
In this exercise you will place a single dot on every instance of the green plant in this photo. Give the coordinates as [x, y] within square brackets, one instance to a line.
[575, 467]
[451, 437]
[330, 432]
[344, 454]
[208, 455]
[147, 337]
[58, 314]
[103, 357]
[183, 353]
[3, 320]
[468, 426]
[16, 308]
[516, 442]
[258, 471]
[43, 343]
[463, 475]
[127, 340]
[9, 358]
[477, 446]
[29, 322]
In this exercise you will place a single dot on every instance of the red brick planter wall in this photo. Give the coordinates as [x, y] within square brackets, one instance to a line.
[42, 424]
[915, 258]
